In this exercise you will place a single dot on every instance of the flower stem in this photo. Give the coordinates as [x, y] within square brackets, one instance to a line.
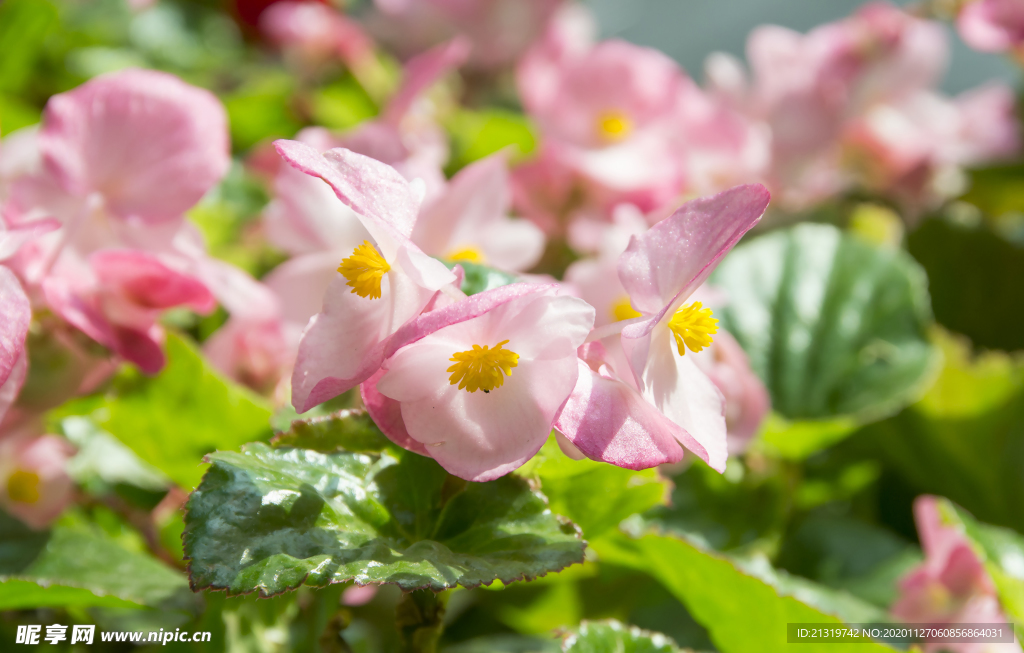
[419, 618]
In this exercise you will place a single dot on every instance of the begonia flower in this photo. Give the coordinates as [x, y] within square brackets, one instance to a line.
[640, 410]
[117, 297]
[381, 284]
[315, 33]
[477, 384]
[470, 222]
[34, 484]
[951, 585]
[17, 316]
[499, 30]
[992, 25]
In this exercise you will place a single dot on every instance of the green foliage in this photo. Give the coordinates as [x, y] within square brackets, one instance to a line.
[1002, 551]
[269, 520]
[743, 609]
[480, 277]
[596, 496]
[613, 637]
[173, 419]
[347, 430]
[965, 438]
[476, 134]
[834, 327]
[24, 25]
[972, 275]
[342, 104]
[262, 110]
[75, 564]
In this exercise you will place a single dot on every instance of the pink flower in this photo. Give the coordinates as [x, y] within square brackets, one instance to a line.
[469, 221]
[477, 385]
[117, 297]
[499, 30]
[951, 585]
[315, 33]
[146, 142]
[34, 485]
[636, 409]
[992, 25]
[746, 398]
[17, 316]
[383, 283]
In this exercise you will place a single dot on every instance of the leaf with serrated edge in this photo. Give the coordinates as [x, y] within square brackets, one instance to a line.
[269, 520]
[346, 430]
[613, 637]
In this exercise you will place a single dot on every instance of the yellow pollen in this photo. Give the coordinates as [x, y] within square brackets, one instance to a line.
[364, 270]
[470, 254]
[481, 368]
[23, 486]
[623, 310]
[693, 326]
[614, 126]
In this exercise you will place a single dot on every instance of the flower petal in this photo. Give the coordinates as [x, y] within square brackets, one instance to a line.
[17, 313]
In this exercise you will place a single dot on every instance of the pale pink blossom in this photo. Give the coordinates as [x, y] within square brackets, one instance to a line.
[315, 33]
[382, 284]
[34, 484]
[746, 399]
[499, 30]
[992, 25]
[640, 407]
[117, 297]
[951, 585]
[470, 221]
[17, 316]
[514, 349]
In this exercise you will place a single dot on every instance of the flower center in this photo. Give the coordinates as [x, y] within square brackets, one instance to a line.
[623, 310]
[23, 486]
[470, 254]
[693, 326]
[614, 126]
[480, 368]
[364, 270]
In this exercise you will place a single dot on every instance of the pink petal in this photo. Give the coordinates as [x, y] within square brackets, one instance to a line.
[387, 415]
[148, 282]
[422, 72]
[609, 421]
[370, 188]
[140, 347]
[46, 456]
[12, 386]
[17, 315]
[149, 143]
[679, 253]
[13, 237]
[685, 395]
[300, 284]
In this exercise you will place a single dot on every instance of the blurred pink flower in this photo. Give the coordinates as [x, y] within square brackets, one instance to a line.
[636, 409]
[992, 25]
[117, 297]
[515, 344]
[315, 33]
[951, 585]
[17, 316]
[384, 282]
[469, 221]
[34, 484]
[498, 30]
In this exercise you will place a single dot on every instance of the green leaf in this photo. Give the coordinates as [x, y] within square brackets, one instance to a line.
[596, 496]
[613, 637]
[24, 25]
[1002, 550]
[342, 105]
[835, 327]
[262, 110]
[269, 520]
[75, 564]
[103, 461]
[477, 134]
[348, 430]
[480, 277]
[741, 609]
[173, 419]
[968, 273]
[965, 438]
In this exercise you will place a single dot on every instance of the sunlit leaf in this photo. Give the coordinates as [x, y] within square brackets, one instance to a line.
[613, 637]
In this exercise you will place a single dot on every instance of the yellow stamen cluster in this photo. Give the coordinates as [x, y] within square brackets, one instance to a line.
[23, 486]
[623, 310]
[481, 368]
[693, 326]
[614, 126]
[469, 254]
[364, 270]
